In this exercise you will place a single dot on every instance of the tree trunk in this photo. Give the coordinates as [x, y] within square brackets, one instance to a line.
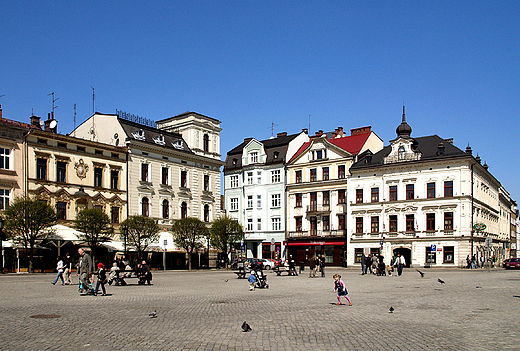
[189, 261]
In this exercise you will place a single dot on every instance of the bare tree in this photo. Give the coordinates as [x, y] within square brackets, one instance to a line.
[25, 222]
[188, 234]
[96, 227]
[142, 231]
[225, 233]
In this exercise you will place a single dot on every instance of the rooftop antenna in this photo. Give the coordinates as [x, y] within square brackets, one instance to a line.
[93, 100]
[309, 123]
[272, 129]
[74, 116]
[53, 101]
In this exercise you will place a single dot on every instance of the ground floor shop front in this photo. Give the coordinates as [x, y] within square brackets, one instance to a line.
[302, 250]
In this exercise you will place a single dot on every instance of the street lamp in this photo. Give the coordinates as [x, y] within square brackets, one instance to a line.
[125, 234]
[1, 247]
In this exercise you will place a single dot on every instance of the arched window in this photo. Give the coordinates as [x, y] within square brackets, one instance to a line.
[184, 210]
[206, 142]
[145, 207]
[165, 209]
[401, 153]
[206, 213]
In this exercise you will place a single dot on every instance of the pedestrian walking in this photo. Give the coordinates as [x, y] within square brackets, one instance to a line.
[101, 279]
[369, 263]
[363, 264]
[312, 267]
[340, 289]
[60, 267]
[399, 262]
[84, 271]
[68, 269]
[322, 266]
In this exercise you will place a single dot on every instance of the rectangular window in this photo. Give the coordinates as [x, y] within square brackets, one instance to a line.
[341, 196]
[393, 192]
[430, 190]
[5, 155]
[448, 189]
[326, 197]
[249, 201]
[184, 179]
[448, 220]
[359, 224]
[206, 182]
[409, 191]
[114, 179]
[80, 148]
[298, 223]
[314, 201]
[41, 168]
[392, 224]
[277, 223]
[359, 254]
[325, 173]
[114, 212]
[4, 199]
[430, 221]
[98, 177]
[97, 152]
[165, 175]
[61, 210]
[259, 177]
[298, 176]
[313, 175]
[233, 181]
[359, 196]
[61, 172]
[275, 200]
[250, 224]
[374, 195]
[298, 200]
[341, 172]
[259, 201]
[144, 172]
[341, 222]
[449, 256]
[410, 222]
[233, 204]
[249, 178]
[259, 224]
[275, 176]
[374, 224]
[253, 157]
[326, 223]
[430, 255]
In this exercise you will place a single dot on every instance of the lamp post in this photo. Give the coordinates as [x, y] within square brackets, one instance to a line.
[125, 234]
[1, 247]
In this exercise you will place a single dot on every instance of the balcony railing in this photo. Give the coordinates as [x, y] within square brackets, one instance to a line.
[315, 208]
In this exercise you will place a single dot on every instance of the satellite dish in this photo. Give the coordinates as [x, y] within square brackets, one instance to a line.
[53, 124]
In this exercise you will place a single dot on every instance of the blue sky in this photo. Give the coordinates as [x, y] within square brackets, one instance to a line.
[455, 64]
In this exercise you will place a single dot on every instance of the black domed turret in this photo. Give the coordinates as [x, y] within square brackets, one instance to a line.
[404, 130]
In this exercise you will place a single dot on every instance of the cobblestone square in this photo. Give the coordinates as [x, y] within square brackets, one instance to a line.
[203, 310]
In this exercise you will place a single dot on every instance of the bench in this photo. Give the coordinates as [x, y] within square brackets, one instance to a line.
[121, 276]
[241, 273]
[281, 269]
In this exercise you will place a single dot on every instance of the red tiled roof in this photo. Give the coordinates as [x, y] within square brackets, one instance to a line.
[18, 124]
[351, 144]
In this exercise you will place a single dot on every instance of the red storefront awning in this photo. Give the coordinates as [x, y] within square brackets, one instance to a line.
[315, 242]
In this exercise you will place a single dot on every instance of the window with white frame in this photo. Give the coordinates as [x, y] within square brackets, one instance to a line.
[253, 157]
[233, 204]
[249, 178]
[249, 201]
[250, 224]
[277, 223]
[275, 176]
[4, 198]
[259, 224]
[259, 201]
[5, 155]
[259, 176]
[233, 181]
[275, 200]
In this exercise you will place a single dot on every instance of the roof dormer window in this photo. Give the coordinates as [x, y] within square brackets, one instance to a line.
[159, 139]
[139, 135]
[178, 144]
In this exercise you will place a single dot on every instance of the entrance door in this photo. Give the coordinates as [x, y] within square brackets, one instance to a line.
[406, 253]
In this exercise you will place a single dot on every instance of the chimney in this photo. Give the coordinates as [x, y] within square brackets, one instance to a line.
[305, 130]
[35, 121]
[440, 149]
[468, 150]
[282, 134]
[358, 131]
[246, 140]
[450, 141]
[319, 132]
[1, 112]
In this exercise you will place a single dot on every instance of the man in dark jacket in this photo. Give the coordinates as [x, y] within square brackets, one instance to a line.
[312, 267]
[363, 264]
[146, 275]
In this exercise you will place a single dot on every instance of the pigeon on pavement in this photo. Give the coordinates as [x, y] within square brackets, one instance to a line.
[246, 327]
[153, 314]
[441, 281]
[391, 310]
[421, 273]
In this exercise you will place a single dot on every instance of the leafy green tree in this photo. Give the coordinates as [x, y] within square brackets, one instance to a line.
[188, 233]
[96, 228]
[225, 233]
[25, 222]
[142, 231]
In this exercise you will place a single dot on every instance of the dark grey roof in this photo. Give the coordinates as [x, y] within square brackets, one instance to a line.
[170, 139]
[271, 146]
[187, 114]
[428, 146]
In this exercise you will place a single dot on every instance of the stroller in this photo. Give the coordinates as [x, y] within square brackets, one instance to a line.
[260, 277]
[381, 268]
